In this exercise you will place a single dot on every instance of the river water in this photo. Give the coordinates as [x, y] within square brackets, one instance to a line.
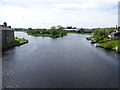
[65, 62]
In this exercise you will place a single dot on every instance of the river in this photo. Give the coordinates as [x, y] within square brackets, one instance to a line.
[65, 62]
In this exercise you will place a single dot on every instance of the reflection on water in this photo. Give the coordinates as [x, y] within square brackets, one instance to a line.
[67, 62]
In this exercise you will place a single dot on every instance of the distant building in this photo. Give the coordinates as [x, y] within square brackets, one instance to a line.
[7, 34]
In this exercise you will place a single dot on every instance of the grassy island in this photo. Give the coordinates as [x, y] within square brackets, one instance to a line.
[101, 36]
[16, 42]
[54, 33]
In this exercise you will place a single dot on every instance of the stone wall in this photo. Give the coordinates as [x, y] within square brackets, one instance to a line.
[7, 37]
[0, 43]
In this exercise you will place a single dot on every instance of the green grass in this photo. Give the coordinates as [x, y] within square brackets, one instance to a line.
[90, 38]
[111, 45]
[106, 43]
[16, 42]
[80, 33]
[21, 40]
[98, 38]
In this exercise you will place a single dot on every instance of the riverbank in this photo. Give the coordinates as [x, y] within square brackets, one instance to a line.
[16, 42]
[113, 45]
[104, 42]
[80, 33]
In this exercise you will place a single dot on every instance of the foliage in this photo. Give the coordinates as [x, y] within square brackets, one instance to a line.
[90, 38]
[101, 36]
[104, 32]
[21, 40]
[83, 31]
[100, 32]
[54, 33]
[30, 28]
[69, 27]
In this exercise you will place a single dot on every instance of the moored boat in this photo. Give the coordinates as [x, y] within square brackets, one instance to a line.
[96, 44]
[93, 41]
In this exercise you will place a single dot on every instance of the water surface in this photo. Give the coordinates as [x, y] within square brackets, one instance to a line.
[65, 62]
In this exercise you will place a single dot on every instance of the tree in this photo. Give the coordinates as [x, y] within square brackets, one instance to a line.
[54, 32]
[29, 28]
[79, 31]
[59, 27]
[82, 30]
[69, 27]
[53, 27]
[74, 28]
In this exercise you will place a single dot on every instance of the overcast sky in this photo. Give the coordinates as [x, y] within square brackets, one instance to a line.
[47, 13]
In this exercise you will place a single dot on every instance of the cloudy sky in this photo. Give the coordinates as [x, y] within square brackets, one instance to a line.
[47, 13]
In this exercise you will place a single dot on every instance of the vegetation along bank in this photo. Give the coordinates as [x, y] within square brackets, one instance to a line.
[16, 42]
[104, 38]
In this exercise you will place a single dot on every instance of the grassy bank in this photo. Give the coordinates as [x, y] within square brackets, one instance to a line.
[104, 42]
[113, 45]
[98, 38]
[16, 42]
[80, 33]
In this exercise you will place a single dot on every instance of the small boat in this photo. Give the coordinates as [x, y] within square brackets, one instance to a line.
[96, 44]
[93, 41]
